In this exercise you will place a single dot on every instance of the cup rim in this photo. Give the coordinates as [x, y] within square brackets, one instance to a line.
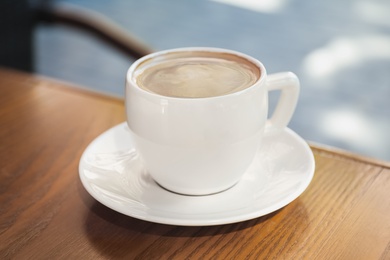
[134, 66]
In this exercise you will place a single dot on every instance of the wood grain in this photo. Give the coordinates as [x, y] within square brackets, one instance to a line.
[45, 213]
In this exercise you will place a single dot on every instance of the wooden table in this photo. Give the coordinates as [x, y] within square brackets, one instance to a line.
[45, 212]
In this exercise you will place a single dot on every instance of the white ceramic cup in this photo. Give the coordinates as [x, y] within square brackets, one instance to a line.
[199, 146]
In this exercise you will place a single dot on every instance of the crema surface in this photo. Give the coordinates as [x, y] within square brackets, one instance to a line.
[196, 74]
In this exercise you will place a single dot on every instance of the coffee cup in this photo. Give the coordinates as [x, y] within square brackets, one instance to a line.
[197, 115]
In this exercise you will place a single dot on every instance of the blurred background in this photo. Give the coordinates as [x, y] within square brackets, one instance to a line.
[340, 50]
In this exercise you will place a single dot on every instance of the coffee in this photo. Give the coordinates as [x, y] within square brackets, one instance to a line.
[201, 146]
[196, 74]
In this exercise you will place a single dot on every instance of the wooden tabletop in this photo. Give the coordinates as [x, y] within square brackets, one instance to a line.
[45, 212]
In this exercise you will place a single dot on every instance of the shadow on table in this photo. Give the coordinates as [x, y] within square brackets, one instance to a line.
[136, 225]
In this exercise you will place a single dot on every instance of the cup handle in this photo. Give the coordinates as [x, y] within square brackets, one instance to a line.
[288, 84]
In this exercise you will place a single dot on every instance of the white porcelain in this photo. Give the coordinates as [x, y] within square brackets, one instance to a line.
[112, 172]
[202, 146]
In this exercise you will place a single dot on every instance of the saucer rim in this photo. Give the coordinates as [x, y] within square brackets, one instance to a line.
[203, 222]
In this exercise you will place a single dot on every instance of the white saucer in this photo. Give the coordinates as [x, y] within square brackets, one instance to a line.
[111, 171]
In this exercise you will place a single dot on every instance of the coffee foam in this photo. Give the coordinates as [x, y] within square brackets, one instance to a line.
[196, 74]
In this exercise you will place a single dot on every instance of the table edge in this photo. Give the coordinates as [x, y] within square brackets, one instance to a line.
[338, 152]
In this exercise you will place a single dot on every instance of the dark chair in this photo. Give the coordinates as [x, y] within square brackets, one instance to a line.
[18, 19]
